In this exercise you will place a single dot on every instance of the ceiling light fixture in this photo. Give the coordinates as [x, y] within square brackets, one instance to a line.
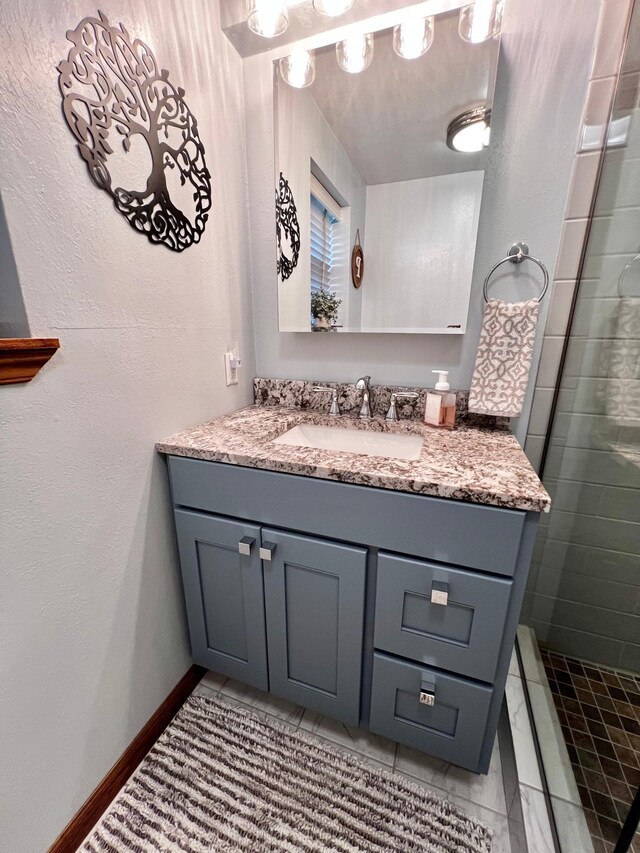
[268, 18]
[469, 132]
[413, 39]
[481, 20]
[299, 69]
[355, 53]
[332, 8]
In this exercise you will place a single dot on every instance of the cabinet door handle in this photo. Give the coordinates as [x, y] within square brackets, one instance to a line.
[427, 692]
[439, 593]
[267, 550]
[245, 545]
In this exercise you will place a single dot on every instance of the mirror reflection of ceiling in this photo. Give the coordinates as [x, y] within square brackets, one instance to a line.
[392, 118]
[304, 21]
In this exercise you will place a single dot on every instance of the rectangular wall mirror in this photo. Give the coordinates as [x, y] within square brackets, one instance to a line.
[385, 148]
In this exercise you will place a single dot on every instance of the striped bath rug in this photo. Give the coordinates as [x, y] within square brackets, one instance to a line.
[224, 779]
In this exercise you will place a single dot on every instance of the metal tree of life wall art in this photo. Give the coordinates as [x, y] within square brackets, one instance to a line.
[135, 132]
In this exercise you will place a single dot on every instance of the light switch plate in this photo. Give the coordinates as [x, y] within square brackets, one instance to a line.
[232, 364]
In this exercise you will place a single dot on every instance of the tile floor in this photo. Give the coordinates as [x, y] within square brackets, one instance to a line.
[480, 796]
[599, 713]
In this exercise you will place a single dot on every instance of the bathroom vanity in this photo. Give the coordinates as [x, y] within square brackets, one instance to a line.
[382, 592]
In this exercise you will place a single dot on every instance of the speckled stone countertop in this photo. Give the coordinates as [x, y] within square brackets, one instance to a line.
[466, 464]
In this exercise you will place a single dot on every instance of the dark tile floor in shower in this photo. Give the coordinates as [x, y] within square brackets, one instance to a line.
[599, 711]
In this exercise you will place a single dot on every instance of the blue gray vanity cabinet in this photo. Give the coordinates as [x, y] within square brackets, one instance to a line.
[348, 624]
[303, 602]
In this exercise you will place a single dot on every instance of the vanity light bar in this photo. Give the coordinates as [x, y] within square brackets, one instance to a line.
[270, 18]
[332, 8]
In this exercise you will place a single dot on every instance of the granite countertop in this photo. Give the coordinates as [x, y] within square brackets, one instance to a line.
[467, 464]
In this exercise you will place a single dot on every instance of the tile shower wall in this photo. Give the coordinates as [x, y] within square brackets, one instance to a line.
[612, 27]
[583, 597]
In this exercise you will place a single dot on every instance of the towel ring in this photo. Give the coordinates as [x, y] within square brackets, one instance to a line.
[518, 253]
[624, 272]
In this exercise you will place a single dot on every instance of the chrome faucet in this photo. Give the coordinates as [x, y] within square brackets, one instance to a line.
[334, 409]
[363, 385]
[392, 414]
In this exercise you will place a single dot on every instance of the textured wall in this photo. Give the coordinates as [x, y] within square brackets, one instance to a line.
[92, 634]
[542, 82]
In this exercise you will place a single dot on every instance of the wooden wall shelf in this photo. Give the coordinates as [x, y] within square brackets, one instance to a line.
[22, 358]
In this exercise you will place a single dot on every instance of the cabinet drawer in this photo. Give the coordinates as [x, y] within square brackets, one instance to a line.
[464, 635]
[452, 728]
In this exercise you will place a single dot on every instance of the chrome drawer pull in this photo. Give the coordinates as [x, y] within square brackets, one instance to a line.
[427, 692]
[439, 593]
[266, 551]
[245, 545]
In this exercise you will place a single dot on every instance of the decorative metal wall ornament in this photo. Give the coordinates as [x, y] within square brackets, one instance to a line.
[112, 85]
[357, 262]
[287, 228]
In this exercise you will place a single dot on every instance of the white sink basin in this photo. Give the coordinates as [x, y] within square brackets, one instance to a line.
[391, 445]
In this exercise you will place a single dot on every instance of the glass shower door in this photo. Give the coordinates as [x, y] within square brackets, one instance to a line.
[583, 602]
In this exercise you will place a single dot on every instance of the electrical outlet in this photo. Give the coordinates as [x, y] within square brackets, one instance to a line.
[232, 364]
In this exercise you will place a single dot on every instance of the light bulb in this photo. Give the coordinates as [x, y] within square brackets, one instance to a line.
[480, 21]
[413, 38]
[268, 18]
[355, 53]
[299, 69]
[332, 8]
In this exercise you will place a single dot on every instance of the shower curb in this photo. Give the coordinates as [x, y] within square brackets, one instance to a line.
[552, 781]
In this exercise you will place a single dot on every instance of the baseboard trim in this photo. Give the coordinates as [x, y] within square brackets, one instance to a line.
[89, 813]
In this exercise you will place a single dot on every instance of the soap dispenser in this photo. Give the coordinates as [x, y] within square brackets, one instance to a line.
[440, 408]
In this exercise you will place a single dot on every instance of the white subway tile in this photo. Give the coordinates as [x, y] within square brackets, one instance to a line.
[540, 411]
[559, 308]
[533, 448]
[583, 181]
[610, 39]
[596, 113]
[573, 233]
[549, 362]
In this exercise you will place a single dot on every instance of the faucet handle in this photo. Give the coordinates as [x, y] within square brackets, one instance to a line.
[392, 414]
[334, 409]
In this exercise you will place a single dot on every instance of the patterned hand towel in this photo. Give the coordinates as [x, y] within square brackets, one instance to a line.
[623, 388]
[501, 372]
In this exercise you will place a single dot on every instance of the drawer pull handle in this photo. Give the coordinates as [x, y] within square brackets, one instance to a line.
[266, 551]
[427, 692]
[440, 593]
[245, 545]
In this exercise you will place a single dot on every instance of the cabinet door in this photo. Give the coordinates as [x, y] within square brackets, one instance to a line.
[224, 595]
[314, 601]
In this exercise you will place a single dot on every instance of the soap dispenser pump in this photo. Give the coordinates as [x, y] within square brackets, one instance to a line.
[440, 407]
